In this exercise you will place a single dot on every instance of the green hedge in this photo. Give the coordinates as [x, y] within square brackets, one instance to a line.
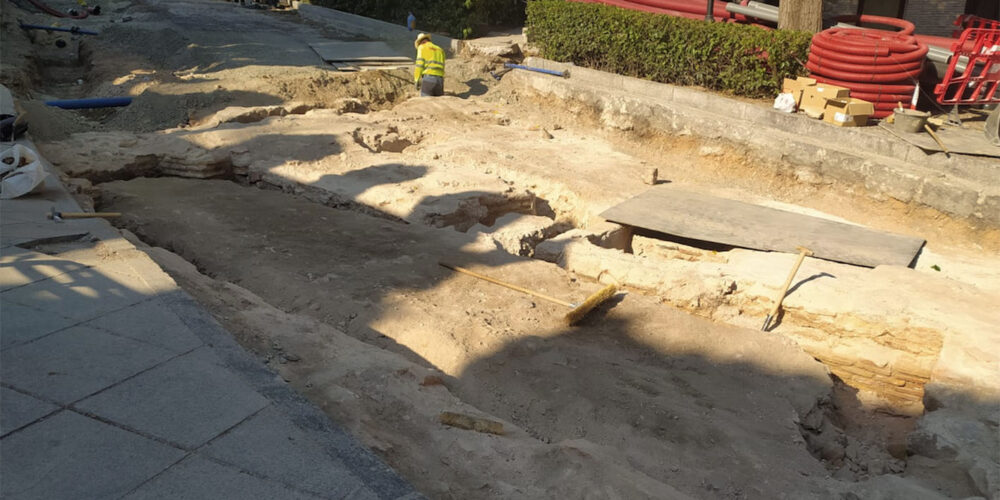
[739, 59]
[457, 18]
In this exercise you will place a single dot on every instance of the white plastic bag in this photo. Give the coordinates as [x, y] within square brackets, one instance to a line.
[16, 156]
[785, 102]
[22, 175]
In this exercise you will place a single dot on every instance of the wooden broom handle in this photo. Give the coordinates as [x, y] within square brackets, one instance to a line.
[508, 285]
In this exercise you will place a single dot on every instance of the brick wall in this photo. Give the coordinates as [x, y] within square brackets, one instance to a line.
[834, 8]
[934, 17]
[931, 17]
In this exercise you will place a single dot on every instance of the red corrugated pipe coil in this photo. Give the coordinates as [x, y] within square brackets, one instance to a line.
[878, 66]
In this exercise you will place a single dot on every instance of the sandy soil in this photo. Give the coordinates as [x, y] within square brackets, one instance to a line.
[336, 195]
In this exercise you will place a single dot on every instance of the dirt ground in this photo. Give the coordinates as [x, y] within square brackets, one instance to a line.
[309, 209]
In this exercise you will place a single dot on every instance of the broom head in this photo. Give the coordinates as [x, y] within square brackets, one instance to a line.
[579, 312]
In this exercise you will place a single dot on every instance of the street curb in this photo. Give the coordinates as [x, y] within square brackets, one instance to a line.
[960, 186]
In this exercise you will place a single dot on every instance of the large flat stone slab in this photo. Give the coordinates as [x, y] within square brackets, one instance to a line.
[71, 456]
[28, 233]
[368, 52]
[676, 212]
[18, 410]
[76, 362]
[83, 294]
[271, 446]
[19, 267]
[20, 324]
[151, 321]
[187, 401]
[196, 477]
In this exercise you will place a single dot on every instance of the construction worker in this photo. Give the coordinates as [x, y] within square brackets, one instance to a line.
[428, 75]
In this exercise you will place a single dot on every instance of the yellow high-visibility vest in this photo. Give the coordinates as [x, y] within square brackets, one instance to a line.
[430, 61]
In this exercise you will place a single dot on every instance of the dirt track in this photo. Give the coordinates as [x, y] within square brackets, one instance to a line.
[338, 194]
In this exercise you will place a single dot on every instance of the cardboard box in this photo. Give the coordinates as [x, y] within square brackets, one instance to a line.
[814, 98]
[848, 112]
[796, 86]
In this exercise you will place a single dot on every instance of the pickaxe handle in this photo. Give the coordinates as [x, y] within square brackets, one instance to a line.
[83, 215]
[803, 252]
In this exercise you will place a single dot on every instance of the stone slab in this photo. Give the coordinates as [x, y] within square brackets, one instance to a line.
[373, 472]
[150, 321]
[269, 445]
[20, 324]
[71, 456]
[18, 410]
[196, 477]
[36, 206]
[672, 211]
[358, 51]
[83, 294]
[26, 233]
[76, 362]
[19, 267]
[187, 401]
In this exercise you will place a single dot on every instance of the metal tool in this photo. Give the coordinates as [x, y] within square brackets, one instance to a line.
[803, 252]
[577, 312]
[59, 216]
[496, 76]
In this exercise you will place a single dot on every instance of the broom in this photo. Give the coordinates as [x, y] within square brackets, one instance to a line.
[577, 311]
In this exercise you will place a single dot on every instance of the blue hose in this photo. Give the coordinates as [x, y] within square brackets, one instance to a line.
[74, 29]
[99, 102]
[563, 74]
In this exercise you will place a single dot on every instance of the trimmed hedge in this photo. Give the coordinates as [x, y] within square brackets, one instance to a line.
[457, 18]
[739, 59]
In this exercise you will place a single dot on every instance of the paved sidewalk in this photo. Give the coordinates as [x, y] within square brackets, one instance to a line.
[114, 383]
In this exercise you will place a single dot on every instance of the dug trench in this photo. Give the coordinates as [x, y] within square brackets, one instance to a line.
[314, 253]
[323, 166]
[641, 400]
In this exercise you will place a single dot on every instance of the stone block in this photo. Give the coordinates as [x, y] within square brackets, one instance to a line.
[82, 294]
[23, 324]
[196, 477]
[270, 446]
[150, 321]
[518, 234]
[18, 410]
[608, 234]
[187, 401]
[552, 250]
[76, 362]
[71, 456]
[19, 267]
[948, 197]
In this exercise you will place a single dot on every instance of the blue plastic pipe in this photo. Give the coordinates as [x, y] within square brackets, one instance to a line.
[98, 102]
[563, 74]
[53, 28]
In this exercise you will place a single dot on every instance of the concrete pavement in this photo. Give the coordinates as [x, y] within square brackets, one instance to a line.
[114, 383]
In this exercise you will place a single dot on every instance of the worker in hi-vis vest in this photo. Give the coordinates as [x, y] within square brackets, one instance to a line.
[428, 75]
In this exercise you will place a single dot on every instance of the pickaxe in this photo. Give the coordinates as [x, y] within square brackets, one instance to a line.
[59, 216]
